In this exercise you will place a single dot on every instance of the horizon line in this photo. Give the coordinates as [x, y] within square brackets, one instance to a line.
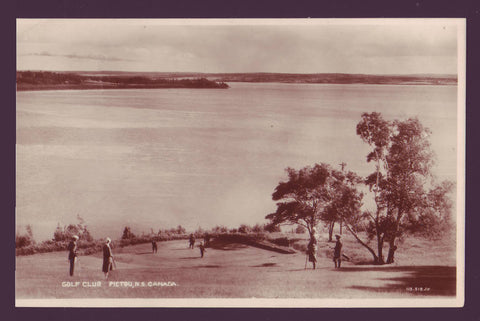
[235, 72]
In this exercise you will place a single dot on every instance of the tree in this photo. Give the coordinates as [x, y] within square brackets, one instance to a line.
[313, 194]
[180, 230]
[244, 229]
[127, 233]
[25, 239]
[29, 230]
[219, 229]
[375, 131]
[58, 234]
[271, 228]
[346, 199]
[67, 232]
[302, 197]
[404, 189]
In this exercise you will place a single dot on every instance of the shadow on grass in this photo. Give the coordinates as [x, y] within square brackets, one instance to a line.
[419, 280]
[228, 247]
[143, 253]
[206, 266]
[265, 265]
[190, 258]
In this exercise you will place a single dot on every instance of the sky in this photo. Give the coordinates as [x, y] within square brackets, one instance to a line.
[365, 46]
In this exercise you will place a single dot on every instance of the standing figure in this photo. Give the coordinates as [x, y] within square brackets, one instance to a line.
[191, 241]
[312, 250]
[154, 246]
[206, 240]
[107, 257]
[337, 252]
[202, 249]
[72, 253]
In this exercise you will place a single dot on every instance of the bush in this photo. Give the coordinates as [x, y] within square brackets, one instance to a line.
[300, 229]
[282, 241]
[27, 250]
[127, 233]
[220, 229]
[67, 232]
[301, 247]
[22, 241]
[244, 229]
[272, 228]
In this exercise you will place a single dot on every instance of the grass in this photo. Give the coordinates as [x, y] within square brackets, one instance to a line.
[241, 271]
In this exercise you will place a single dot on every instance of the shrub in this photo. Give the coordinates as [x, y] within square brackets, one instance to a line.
[127, 233]
[300, 229]
[22, 241]
[244, 229]
[282, 241]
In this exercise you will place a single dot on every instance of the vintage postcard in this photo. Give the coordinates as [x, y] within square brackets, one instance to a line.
[240, 162]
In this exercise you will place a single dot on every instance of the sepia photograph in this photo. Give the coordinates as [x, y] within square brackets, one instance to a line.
[240, 162]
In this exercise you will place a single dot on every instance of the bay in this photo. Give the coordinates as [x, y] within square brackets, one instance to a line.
[157, 158]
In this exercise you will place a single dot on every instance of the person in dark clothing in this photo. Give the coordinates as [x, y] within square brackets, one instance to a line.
[337, 252]
[206, 240]
[191, 241]
[154, 246]
[202, 249]
[107, 257]
[72, 253]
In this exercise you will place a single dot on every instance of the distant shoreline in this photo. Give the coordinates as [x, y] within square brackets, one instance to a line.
[99, 87]
[45, 80]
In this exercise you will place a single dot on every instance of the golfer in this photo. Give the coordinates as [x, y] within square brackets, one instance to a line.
[202, 249]
[337, 252]
[107, 257]
[191, 241]
[312, 249]
[154, 246]
[72, 253]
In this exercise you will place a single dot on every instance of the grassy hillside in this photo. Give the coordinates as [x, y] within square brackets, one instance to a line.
[236, 270]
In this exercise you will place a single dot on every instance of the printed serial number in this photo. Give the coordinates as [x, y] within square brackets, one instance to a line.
[418, 289]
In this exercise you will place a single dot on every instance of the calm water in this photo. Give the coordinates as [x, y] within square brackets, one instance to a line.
[159, 158]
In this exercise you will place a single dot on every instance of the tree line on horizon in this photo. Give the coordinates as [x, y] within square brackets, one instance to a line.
[38, 79]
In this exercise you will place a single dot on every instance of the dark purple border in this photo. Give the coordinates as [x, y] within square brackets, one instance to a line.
[236, 9]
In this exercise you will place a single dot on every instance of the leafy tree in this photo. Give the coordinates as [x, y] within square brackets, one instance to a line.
[58, 235]
[346, 199]
[29, 230]
[25, 239]
[302, 197]
[68, 231]
[271, 228]
[220, 229]
[376, 132]
[313, 194]
[181, 230]
[127, 233]
[244, 229]
[404, 190]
